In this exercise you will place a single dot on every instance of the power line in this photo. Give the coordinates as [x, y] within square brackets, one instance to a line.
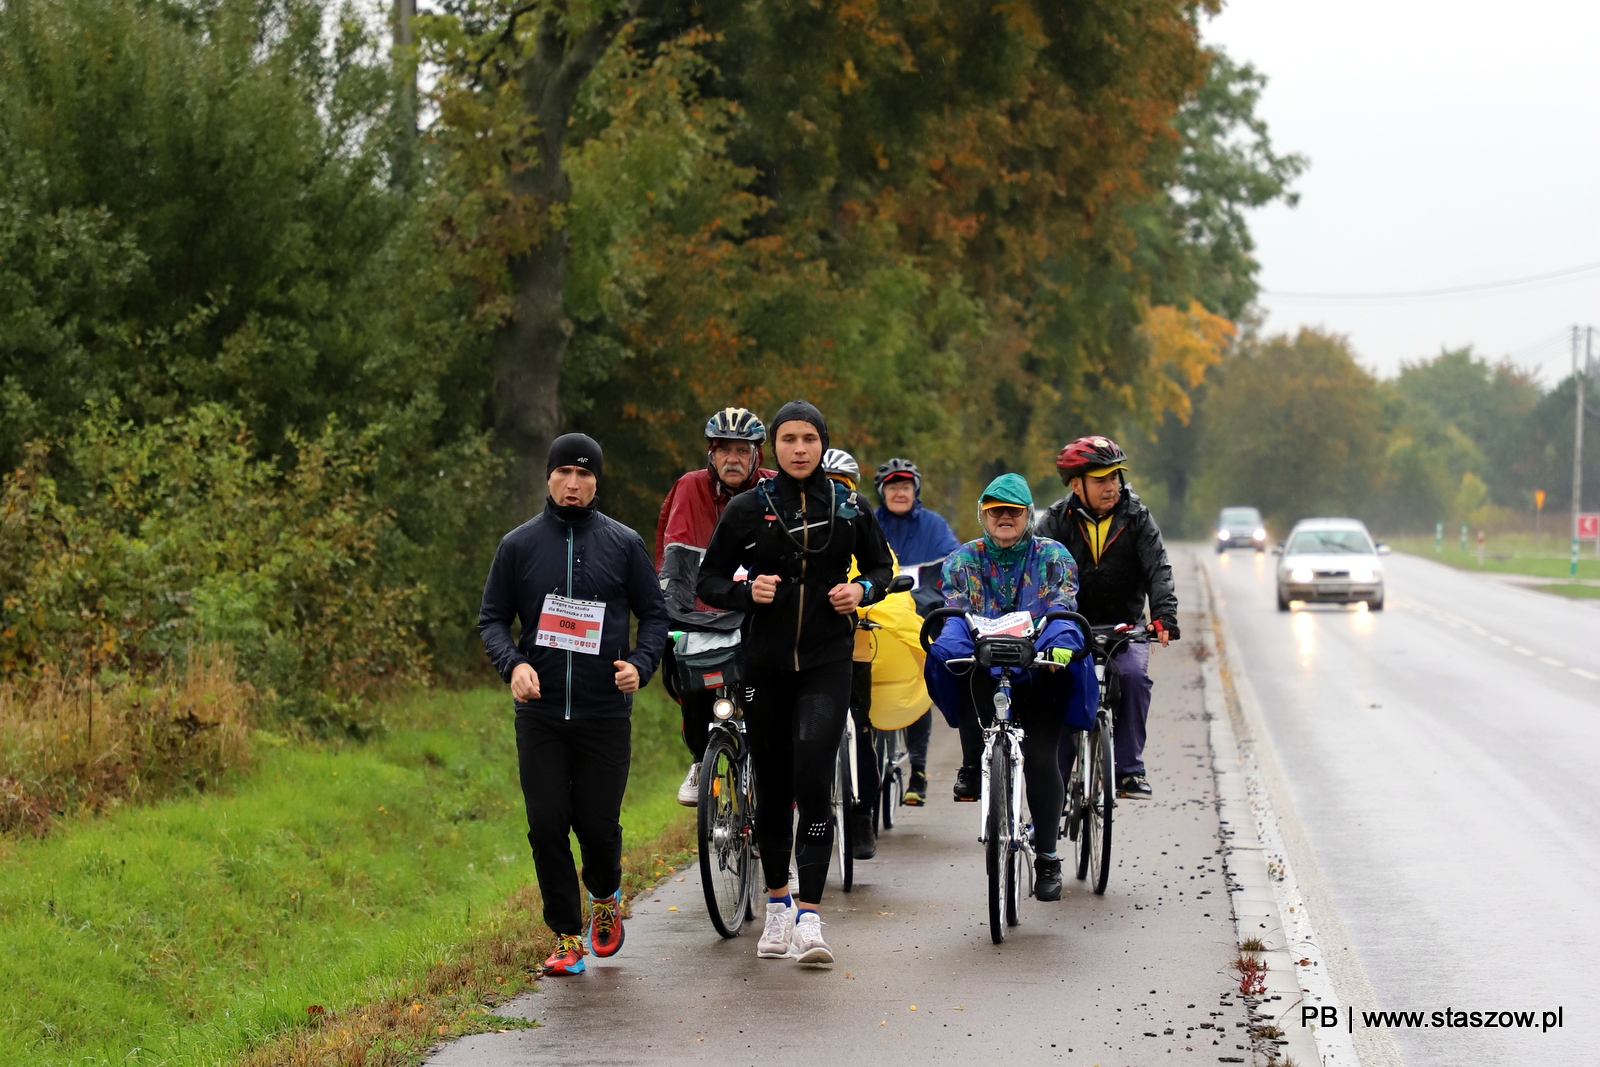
[1455, 290]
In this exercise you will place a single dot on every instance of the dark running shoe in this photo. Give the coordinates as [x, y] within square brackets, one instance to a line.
[1133, 786]
[916, 790]
[1047, 878]
[605, 924]
[865, 843]
[968, 782]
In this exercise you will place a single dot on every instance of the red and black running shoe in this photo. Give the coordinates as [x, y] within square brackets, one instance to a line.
[605, 924]
[567, 958]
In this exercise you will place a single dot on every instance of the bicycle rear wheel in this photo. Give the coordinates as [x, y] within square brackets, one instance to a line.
[1102, 800]
[997, 854]
[843, 838]
[726, 865]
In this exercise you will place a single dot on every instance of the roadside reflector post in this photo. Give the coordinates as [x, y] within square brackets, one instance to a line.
[1438, 538]
[1480, 548]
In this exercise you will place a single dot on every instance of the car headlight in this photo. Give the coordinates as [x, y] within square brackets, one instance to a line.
[1260, 535]
[722, 709]
[1361, 574]
[1223, 535]
[1301, 574]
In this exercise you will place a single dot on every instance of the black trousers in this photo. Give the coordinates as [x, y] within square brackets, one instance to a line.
[795, 720]
[574, 772]
[1038, 702]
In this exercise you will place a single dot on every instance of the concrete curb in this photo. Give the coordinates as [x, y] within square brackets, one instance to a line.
[1268, 902]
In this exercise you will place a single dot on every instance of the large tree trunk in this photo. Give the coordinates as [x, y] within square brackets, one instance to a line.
[532, 346]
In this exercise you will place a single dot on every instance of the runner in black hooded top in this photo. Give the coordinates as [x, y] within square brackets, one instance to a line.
[796, 535]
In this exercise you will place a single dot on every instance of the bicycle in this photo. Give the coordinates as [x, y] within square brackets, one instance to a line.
[1091, 782]
[894, 768]
[846, 777]
[1006, 643]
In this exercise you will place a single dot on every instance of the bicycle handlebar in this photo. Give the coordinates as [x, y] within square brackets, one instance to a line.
[938, 615]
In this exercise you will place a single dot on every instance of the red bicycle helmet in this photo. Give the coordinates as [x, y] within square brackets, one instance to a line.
[1099, 454]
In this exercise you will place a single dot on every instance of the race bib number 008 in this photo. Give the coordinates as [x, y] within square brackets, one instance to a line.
[571, 625]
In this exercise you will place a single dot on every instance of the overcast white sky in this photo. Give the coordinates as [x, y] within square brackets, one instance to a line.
[1452, 142]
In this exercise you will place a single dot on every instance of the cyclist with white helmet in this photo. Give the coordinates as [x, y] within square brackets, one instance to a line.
[841, 466]
[683, 530]
[921, 539]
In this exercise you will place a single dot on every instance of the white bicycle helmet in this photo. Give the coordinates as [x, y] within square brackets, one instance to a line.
[838, 461]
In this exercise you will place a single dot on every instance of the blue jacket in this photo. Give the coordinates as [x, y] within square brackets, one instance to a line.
[580, 554]
[919, 536]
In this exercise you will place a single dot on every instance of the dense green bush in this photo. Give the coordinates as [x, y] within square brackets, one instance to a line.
[181, 535]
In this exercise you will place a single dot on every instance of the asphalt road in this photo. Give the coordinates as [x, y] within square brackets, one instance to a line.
[1440, 756]
[1136, 977]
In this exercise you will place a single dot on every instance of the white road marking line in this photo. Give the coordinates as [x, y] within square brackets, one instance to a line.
[1524, 651]
[1552, 662]
[1498, 640]
[1581, 673]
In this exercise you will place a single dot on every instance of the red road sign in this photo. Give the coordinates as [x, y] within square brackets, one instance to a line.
[1588, 526]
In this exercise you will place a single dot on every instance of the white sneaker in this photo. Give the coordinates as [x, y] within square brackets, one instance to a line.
[808, 944]
[776, 940]
[689, 791]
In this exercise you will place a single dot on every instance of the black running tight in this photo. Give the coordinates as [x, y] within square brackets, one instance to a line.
[795, 721]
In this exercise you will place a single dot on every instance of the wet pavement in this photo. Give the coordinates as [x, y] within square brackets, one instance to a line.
[1439, 756]
[1136, 977]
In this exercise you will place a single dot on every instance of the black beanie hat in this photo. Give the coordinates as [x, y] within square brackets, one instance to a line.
[574, 450]
[801, 411]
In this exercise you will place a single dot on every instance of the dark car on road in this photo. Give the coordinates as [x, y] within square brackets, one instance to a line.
[1241, 528]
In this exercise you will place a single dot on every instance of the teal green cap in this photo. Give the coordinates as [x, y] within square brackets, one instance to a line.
[1007, 489]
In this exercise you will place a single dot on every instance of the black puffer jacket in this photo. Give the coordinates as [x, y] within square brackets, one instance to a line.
[799, 629]
[1133, 564]
[583, 555]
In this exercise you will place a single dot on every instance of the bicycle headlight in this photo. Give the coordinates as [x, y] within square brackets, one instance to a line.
[1301, 574]
[722, 708]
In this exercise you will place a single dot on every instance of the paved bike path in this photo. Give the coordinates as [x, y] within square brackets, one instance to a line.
[1138, 976]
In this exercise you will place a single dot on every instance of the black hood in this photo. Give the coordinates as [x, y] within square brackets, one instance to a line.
[802, 411]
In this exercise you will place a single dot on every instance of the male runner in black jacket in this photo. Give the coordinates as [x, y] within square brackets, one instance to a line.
[1121, 562]
[572, 576]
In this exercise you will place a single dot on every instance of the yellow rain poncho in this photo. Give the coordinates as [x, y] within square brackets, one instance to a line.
[899, 695]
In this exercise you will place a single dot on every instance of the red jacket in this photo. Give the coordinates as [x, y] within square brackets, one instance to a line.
[683, 531]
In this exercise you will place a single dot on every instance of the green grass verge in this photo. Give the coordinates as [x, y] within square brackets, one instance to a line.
[1545, 557]
[1572, 589]
[187, 932]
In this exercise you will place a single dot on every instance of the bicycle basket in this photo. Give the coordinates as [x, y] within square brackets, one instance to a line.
[706, 661]
[1003, 650]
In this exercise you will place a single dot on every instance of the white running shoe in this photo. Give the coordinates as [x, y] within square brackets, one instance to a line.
[777, 939]
[689, 791]
[808, 944]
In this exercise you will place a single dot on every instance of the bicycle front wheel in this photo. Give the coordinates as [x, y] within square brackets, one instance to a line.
[1102, 799]
[725, 835]
[843, 838]
[997, 856]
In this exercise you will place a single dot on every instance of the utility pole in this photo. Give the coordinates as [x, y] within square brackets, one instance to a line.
[1577, 446]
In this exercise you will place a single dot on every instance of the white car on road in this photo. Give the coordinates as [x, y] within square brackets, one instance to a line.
[1331, 560]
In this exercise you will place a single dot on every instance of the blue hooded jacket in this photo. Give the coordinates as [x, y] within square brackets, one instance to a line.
[919, 536]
